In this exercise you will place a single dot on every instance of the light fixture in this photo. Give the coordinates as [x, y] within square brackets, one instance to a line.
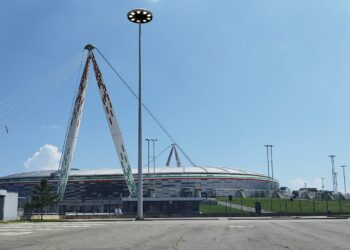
[140, 16]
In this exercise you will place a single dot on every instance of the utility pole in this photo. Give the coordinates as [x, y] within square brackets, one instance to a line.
[334, 175]
[322, 179]
[344, 179]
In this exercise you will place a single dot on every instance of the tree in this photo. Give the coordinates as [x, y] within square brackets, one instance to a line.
[42, 196]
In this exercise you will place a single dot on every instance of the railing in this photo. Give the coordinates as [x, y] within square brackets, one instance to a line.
[228, 206]
[213, 206]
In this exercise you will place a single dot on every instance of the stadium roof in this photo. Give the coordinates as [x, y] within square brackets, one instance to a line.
[115, 171]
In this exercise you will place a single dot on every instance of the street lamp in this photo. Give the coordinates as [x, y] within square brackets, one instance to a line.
[148, 140]
[140, 16]
[268, 166]
[344, 178]
[322, 180]
[334, 176]
[154, 161]
[271, 164]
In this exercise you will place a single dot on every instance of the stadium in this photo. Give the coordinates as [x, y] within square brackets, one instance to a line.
[163, 183]
[82, 186]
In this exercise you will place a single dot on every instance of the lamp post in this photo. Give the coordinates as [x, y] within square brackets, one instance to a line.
[140, 16]
[322, 179]
[148, 140]
[344, 178]
[334, 176]
[271, 164]
[154, 161]
[268, 167]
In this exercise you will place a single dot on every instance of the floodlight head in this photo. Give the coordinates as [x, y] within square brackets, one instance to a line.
[89, 47]
[140, 16]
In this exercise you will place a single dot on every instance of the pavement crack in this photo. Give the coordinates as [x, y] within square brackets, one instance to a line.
[177, 242]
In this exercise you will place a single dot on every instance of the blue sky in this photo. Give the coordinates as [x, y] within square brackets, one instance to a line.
[224, 77]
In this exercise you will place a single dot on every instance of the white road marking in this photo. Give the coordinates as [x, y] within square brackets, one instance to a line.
[222, 218]
[13, 233]
[16, 229]
[237, 226]
[27, 228]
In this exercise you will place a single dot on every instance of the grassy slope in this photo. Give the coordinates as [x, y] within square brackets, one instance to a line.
[296, 206]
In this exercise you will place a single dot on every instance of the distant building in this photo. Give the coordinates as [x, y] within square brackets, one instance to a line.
[313, 193]
[8, 205]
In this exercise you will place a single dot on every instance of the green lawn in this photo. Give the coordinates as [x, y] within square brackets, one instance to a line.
[296, 206]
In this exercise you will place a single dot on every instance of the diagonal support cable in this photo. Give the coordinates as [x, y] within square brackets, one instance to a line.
[146, 108]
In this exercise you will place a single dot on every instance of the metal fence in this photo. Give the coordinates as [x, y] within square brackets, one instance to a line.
[211, 206]
[76, 207]
[229, 206]
[172, 207]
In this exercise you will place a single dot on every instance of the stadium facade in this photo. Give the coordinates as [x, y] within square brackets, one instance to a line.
[165, 182]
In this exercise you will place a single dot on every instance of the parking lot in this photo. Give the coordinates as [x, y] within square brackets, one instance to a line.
[214, 233]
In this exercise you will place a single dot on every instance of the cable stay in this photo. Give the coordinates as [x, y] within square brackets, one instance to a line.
[16, 107]
[74, 125]
[158, 155]
[146, 108]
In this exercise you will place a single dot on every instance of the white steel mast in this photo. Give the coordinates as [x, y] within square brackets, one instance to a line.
[115, 130]
[72, 134]
[112, 121]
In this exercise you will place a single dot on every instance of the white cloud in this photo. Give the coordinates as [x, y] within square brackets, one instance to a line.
[300, 183]
[46, 158]
[54, 126]
[317, 182]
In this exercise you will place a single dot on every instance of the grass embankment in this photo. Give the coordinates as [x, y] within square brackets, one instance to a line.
[295, 206]
[219, 209]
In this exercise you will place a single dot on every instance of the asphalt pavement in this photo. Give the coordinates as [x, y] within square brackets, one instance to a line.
[217, 233]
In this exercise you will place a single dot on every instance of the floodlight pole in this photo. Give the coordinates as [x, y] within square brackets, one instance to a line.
[139, 172]
[344, 178]
[334, 176]
[154, 161]
[268, 167]
[139, 16]
[148, 140]
[271, 166]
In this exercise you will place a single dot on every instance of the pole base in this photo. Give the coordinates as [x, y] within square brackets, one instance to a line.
[139, 219]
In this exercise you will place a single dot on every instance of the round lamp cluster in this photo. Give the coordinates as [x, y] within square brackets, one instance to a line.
[140, 16]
